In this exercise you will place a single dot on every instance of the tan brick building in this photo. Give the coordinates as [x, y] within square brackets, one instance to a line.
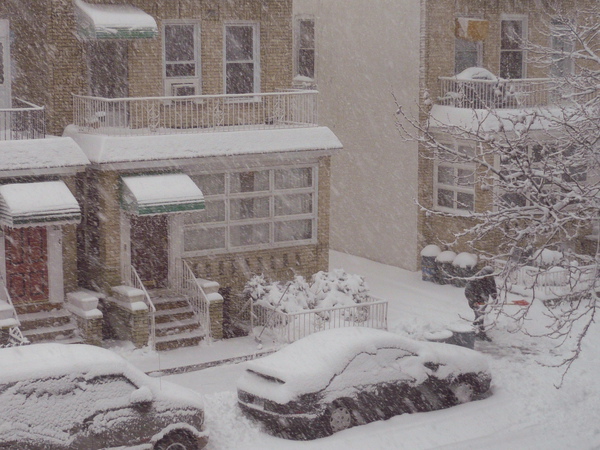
[458, 35]
[204, 166]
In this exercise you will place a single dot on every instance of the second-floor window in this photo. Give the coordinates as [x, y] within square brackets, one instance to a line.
[467, 54]
[181, 58]
[512, 53]
[305, 48]
[242, 72]
[562, 45]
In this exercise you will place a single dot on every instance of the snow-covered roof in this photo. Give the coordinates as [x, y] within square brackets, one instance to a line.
[310, 364]
[40, 154]
[100, 21]
[29, 203]
[115, 149]
[153, 194]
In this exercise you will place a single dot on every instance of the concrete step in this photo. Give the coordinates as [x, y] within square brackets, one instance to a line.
[66, 333]
[170, 315]
[164, 303]
[28, 308]
[177, 327]
[45, 319]
[179, 340]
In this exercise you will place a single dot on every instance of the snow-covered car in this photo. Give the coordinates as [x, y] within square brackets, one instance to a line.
[56, 396]
[339, 378]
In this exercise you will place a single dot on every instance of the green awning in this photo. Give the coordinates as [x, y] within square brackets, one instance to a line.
[101, 21]
[160, 194]
[42, 203]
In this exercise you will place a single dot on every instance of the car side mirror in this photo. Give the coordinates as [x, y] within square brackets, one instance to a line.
[142, 398]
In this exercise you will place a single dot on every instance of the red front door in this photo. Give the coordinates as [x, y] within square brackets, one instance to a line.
[26, 251]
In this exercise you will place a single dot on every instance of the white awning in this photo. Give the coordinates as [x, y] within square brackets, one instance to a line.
[30, 204]
[113, 22]
[159, 194]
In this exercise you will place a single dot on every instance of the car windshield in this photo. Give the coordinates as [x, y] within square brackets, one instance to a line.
[381, 366]
[50, 407]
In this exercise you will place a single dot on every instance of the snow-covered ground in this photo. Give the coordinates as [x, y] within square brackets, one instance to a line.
[526, 410]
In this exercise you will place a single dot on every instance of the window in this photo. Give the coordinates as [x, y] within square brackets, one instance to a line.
[466, 54]
[454, 182]
[305, 48]
[512, 54]
[181, 42]
[253, 209]
[562, 45]
[241, 59]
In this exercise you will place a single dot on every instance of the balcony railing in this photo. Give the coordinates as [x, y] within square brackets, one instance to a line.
[23, 121]
[194, 114]
[498, 94]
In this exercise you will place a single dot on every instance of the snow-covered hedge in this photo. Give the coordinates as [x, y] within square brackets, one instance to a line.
[326, 290]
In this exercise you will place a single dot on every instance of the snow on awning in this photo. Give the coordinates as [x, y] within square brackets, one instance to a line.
[31, 204]
[159, 194]
[113, 22]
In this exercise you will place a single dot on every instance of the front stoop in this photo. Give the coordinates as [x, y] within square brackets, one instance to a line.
[47, 322]
[176, 324]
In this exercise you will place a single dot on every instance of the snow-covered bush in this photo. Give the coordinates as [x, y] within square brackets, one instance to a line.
[326, 290]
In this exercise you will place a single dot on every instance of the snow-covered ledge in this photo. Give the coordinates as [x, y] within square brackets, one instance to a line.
[84, 307]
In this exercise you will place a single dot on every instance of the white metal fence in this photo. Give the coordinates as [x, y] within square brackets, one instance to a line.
[289, 327]
[23, 121]
[193, 114]
[553, 281]
[188, 286]
[136, 282]
[502, 94]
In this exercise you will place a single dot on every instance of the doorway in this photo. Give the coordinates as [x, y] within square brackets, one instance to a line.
[150, 249]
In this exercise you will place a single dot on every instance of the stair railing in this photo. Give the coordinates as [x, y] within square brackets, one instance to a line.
[136, 282]
[15, 336]
[188, 286]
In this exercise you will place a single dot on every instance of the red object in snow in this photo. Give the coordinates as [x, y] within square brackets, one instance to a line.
[520, 303]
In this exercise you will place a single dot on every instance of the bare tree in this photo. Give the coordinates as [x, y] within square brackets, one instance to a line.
[540, 167]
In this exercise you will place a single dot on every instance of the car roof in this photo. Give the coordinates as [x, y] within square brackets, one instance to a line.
[45, 360]
[309, 364]
[327, 352]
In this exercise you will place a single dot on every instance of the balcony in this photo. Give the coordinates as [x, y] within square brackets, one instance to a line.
[23, 121]
[498, 93]
[194, 114]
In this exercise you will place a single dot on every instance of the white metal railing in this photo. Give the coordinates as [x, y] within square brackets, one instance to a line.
[289, 327]
[136, 282]
[501, 93]
[194, 114]
[15, 336]
[188, 286]
[23, 121]
[553, 281]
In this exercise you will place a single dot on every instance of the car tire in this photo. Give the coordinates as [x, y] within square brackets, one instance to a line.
[177, 440]
[339, 417]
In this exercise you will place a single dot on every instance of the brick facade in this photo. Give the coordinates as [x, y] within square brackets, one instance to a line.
[54, 60]
[437, 60]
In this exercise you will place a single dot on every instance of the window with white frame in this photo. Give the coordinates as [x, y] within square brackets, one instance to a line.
[563, 45]
[253, 209]
[513, 31]
[242, 71]
[454, 179]
[305, 48]
[467, 53]
[181, 49]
